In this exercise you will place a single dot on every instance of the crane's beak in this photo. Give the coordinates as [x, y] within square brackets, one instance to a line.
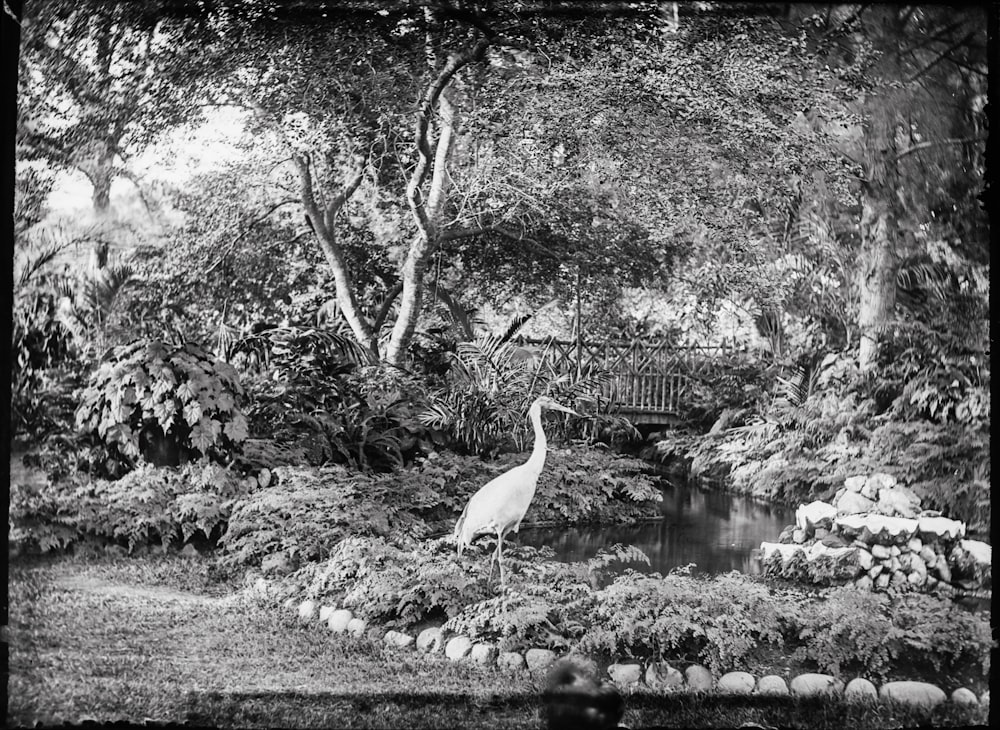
[557, 407]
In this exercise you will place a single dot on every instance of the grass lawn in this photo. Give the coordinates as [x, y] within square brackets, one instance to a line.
[161, 638]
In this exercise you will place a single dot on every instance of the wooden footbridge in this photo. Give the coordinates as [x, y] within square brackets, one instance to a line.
[645, 381]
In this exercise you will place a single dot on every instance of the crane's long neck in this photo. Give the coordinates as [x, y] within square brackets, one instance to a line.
[537, 458]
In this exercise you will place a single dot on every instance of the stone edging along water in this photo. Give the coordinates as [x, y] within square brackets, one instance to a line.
[628, 677]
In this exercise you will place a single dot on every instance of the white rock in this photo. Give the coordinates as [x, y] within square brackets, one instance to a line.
[981, 552]
[880, 552]
[458, 647]
[964, 696]
[875, 570]
[799, 535]
[356, 626]
[928, 555]
[397, 639]
[883, 527]
[772, 684]
[860, 689]
[699, 678]
[855, 483]
[922, 694]
[740, 683]
[307, 609]
[339, 620]
[430, 640]
[938, 528]
[865, 559]
[880, 480]
[896, 502]
[511, 661]
[661, 676]
[324, 613]
[811, 684]
[915, 545]
[916, 579]
[895, 551]
[917, 564]
[539, 659]
[864, 583]
[853, 503]
[882, 581]
[264, 477]
[624, 675]
[815, 514]
[483, 653]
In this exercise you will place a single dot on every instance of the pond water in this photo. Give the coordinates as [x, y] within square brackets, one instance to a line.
[716, 531]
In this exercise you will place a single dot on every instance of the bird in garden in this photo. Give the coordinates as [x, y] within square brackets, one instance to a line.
[499, 506]
[575, 700]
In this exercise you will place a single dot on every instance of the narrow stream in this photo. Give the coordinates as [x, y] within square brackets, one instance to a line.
[716, 531]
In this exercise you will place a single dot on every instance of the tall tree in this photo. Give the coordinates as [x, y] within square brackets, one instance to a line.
[96, 80]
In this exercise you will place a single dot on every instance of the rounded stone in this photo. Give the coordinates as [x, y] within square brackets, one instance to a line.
[915, 694]
[624, 675]
[539, 659]
[798, 535]
[356, 626]
[307, 609]
[915, 544]
[699, 678]
[772, 684]
[965, 697]
[339, 620]
[860, 689]
[324, 613]
[397, 639]
[661, 676]
[880, 552]
[511, 661]
[738, 683]
[483, 653]
[458, 647]
[430, 640]
[811, 684]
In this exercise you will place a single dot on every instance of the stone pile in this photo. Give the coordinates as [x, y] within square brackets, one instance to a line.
[875, 535]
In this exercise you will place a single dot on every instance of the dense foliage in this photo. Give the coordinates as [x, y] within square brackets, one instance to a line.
[726, 622]
[148, 506]
[163, 403]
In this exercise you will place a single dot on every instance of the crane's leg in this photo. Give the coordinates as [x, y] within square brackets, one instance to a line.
[503, 579]
[493, 560]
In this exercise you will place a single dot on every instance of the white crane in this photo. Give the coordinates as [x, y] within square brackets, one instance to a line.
[499, 506]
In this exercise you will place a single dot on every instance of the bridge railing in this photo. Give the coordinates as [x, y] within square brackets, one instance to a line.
[645, 376]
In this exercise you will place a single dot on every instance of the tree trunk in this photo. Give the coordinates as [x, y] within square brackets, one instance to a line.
[876, 273]
[427, 211]
[876, 277]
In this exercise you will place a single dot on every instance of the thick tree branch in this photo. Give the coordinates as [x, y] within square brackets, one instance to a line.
[937, 143]
[942, 56]
[421, 132]
[383, 310]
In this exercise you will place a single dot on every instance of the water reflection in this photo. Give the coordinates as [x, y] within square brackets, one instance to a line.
[717, 531]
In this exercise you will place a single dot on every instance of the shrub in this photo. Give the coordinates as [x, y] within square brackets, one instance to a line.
[490, 388]
[849, 629]
[148, 505]
[163, 403]
[941, 633]
[317, 387]
[722, 622]
[310, 510]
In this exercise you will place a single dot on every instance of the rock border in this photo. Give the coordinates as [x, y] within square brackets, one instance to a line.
[631, 676]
